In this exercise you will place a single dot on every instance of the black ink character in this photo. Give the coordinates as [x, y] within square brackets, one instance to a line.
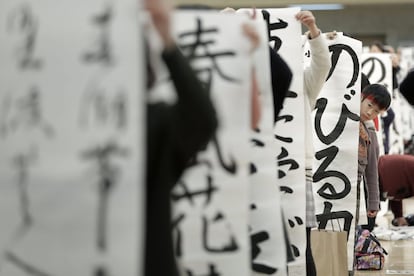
[299, 221]
[283, 161]
[109, 174]
[327, 215]
[340, 125]
[274, 26]
[22, 163]
[327, 190]
[23, 22]
[102, 53]
[199, 49]
[26, 267]
[372, 61]
[230, 247]
[336, 50]
[101, 271]
[257, 143]
[256, 239]
[177, 230]
[187, 194]
[230, 166]
[102, 109]
[212, 271]
[25, 113]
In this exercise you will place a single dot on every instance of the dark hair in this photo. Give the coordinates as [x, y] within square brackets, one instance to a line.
[364, 81]
[380, 45]
[379, 94]
[150, 74]
[194, 7]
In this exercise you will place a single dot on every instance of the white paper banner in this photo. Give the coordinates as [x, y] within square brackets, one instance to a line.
[285, 36]
[406, 61]
[396, 139]
[211, 199]
[378, 68]
[336, 132]
[71, 134]
[266, 226]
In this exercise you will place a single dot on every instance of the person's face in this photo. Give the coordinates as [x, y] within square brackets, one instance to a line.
[375, 49]
[369, 110]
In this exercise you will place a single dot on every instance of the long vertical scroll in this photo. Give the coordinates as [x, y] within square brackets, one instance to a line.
[211, 199]
[266, 226]
[285, 37]
[336, 121]
[71, 134]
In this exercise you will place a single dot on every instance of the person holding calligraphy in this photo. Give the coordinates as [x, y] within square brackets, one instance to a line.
[280, 73]
[378, 47]
[389, 116]
[314, 79]
[175, 133]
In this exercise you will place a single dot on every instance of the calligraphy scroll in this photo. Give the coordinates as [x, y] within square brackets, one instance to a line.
[266, 226]
[336, 125]
[71, 134]
[211, 199]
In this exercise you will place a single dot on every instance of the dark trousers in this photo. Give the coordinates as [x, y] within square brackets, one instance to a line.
[371, 221]
[310, 264]
[371, 224]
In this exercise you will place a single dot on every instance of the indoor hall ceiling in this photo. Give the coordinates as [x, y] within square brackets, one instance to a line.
[282, 3]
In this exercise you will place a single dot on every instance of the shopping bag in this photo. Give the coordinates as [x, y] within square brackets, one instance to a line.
[329, 250]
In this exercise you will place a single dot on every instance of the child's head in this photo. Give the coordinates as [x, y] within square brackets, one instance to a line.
[375, 100]
[377, 47]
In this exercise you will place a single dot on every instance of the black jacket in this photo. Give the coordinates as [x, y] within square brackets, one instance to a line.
[175, 133]
[407, 87]
[281, 77]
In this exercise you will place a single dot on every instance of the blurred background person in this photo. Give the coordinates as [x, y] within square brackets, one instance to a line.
[175, 133]
[396, 179]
